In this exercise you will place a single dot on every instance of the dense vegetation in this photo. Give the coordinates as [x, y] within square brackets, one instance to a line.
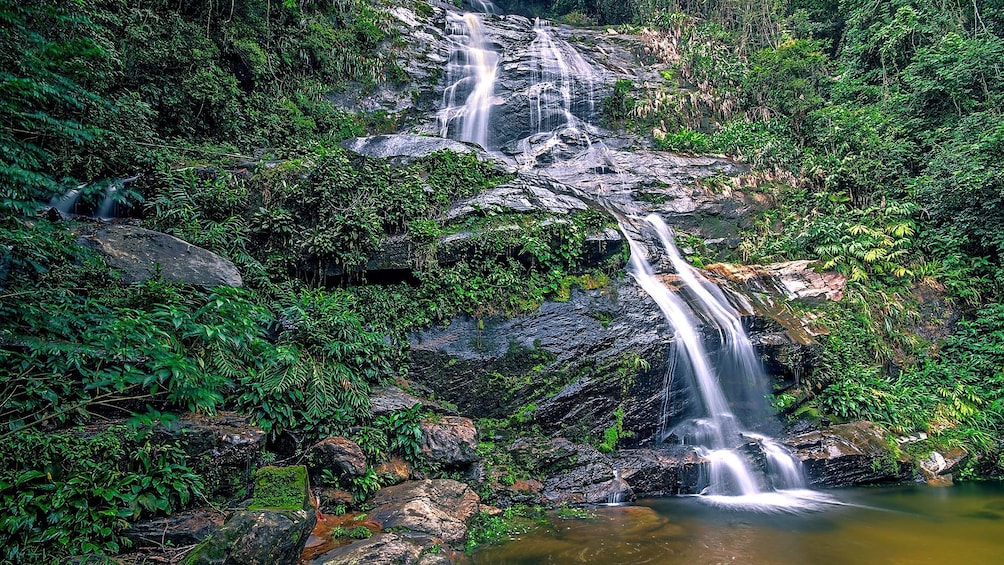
[873, 127]
[185, 98]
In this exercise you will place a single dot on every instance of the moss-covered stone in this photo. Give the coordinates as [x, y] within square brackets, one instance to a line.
[283, 488]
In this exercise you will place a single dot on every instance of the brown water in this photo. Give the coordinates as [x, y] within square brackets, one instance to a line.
[958, 525]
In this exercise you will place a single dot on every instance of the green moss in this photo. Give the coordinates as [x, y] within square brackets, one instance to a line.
[282, 488]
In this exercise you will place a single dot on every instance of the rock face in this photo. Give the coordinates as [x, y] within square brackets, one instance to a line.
[660, 472]
[572, 473]
[451, 441]
[795, 280]
[141, 254]
[573, 360]
[439, 508]
[342, 456]
[252, 537]
[856, 453]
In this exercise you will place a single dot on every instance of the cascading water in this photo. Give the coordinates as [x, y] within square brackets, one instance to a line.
[556, 69]
[66, 201]
[471, 74]
[729, 381]
[719, 433]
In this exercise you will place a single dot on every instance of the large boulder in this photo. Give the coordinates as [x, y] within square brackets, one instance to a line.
[856, 453]
[253, 537]
[440, 508]
[141, 254]
[451, 441]
[406, 147]
[660, 472]
[388, 399]
[274, 529]
[339, 455]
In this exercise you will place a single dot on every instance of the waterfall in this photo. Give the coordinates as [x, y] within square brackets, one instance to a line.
[471, 73]
[729, 382]
[556, 68]
[719, 434]
[67, 201]
[106, 211]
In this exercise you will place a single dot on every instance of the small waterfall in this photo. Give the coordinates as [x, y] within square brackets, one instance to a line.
[484, 6]
[106, 211]
[471, 74]
[67, 201]
[720, 434]
[556, 68]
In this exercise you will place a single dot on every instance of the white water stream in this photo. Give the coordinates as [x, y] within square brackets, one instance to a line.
[718, 433]
[729, 381]
[471, 74]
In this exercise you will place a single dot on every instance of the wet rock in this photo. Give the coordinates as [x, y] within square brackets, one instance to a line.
[330, 499]
[572, 473]
[526, 193]
[572, 360]
[440, 508]
[408, 147]
[222, 449]
[795, 280]
[141, 254]
[252, 537]
[187, 527]
[339, 455]
[387, 399]
[660, 472]
[849, 454]
[451, 441]
[385, 548]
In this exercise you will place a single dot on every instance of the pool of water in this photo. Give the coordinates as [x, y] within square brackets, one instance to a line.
[963, 524]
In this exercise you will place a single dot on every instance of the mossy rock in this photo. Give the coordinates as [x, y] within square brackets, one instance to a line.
[281, 488]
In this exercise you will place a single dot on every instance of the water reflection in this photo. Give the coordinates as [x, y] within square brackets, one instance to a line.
[901, 525]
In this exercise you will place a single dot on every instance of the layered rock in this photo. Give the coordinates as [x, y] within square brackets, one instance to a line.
[795, 280]
[669, 471]
[223, 449]
[856, 453]
[572, 473]
[187, 527]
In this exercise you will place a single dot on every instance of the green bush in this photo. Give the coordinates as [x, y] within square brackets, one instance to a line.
[73, 492]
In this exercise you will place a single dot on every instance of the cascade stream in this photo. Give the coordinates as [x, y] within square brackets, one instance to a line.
[730, 384]
[471, 74]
